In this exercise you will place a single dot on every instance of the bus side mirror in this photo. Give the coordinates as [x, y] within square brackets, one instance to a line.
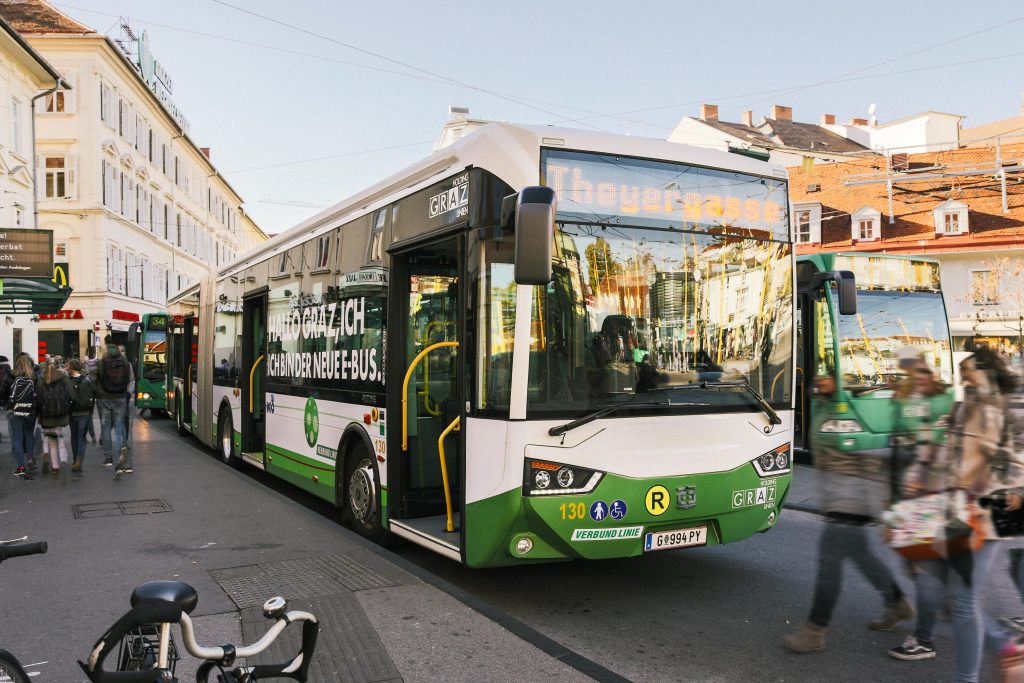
[133, 334]
[847, 286]
[535, 230]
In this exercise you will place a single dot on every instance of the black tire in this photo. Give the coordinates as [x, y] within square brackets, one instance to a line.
[226, 438]
[362, 494]
[10, 669]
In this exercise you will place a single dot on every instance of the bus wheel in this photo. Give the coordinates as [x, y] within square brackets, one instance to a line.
[363, 497]
[226, 438]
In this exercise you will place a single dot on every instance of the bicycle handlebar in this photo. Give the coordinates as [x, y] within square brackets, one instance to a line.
[154, 611]
[21, 549]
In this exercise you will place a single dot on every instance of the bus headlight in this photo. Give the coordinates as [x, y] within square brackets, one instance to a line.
[773, 463]
[840, 427]
[543, 478]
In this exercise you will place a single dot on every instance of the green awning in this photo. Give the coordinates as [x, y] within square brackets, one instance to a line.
[32, 295]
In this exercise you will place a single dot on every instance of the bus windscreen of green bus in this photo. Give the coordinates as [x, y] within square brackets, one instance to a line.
[887, 326]
[154, 355]
[668, 279]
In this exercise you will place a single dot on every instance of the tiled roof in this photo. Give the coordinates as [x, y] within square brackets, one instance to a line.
[913, 203]
[37, 16]
[809, 136]
[738, 130]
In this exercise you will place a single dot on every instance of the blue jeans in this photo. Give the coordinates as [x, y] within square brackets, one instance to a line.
[79, 428]
[23, 440]
[938, 579]
[112, 413]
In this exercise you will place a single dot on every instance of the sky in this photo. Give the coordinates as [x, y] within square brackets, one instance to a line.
[306, 102]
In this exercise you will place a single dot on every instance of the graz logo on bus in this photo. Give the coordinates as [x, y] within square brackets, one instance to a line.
[455, 198]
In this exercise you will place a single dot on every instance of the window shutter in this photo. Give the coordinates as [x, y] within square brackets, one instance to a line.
[71, 190]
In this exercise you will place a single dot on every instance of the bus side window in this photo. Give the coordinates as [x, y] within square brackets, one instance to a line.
[824, 349]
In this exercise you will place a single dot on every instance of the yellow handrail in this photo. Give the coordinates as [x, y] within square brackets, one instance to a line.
[405, 388]
[252, 372]
[454, 426]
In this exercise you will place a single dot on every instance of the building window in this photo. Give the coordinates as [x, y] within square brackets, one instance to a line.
[950, 218]
[16, 125]
[55, 102]
[282, 263]
[803, 227]
[984, 287]
[867, 225]
[19, 216]
[56, 178]
[323, 251]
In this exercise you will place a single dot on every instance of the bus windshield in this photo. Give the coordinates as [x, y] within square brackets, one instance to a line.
[888, 326]
[154, 355]
[672, 284]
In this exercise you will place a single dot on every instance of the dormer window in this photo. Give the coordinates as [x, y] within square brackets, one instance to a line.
[951, 218]
[807, 223]
[866, 225]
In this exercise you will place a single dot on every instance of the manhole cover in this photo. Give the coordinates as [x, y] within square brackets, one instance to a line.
[120, 508]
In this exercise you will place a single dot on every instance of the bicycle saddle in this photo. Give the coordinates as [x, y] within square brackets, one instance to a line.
[176, 592]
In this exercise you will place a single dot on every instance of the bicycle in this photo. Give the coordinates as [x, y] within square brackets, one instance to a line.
[147, 654]
[10, 668]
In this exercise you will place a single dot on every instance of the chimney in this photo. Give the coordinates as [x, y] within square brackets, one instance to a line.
[458, 113]
[709, 112]
[748, 118]
[780, 113]
[828, 119]
[205, 151]
[858, 122]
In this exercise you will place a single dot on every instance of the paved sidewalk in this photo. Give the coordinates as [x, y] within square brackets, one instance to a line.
[183, 515]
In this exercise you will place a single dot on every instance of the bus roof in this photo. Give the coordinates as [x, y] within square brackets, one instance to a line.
[511, 152]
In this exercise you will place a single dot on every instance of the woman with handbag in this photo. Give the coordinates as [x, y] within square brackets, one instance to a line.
[973, 463]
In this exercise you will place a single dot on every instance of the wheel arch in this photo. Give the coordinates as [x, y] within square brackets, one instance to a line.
[354, 434]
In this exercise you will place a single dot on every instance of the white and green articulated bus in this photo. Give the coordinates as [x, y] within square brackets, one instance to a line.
[534, 345]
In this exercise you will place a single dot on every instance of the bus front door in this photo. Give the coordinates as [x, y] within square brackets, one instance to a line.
[252, 377]
[190, 340]
[427, 291]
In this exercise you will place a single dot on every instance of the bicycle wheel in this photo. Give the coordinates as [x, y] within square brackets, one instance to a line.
[10, 669]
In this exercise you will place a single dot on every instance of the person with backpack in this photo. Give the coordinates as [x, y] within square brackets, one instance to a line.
[114, 376]
[82, 400]
[53, 393]
[91, 369]
[21, 413]
[6, 380]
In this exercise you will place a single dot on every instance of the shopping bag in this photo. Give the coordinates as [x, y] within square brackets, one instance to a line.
[934, 526]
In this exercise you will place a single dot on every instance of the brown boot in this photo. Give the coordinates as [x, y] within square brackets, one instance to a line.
[810, 638]
[77, 466]
[895, 612]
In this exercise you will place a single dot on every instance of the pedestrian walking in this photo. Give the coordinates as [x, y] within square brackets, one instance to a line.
[91, 369]
[53, 394]
[978, 460]
[6, 380]
[21, 413]
[82, 401]
[114, 376]
[854, 491]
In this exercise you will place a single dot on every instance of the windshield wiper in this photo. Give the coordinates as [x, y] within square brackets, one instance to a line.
[601, 412]
[773, 417]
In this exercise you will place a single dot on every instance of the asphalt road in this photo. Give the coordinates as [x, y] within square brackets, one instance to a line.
[715, 614]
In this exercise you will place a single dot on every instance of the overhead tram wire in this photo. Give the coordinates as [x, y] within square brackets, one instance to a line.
[944, 43]
[449, 79]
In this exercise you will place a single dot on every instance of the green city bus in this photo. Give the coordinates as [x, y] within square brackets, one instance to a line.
[534, 345]
[147, 353]
[849, 367]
